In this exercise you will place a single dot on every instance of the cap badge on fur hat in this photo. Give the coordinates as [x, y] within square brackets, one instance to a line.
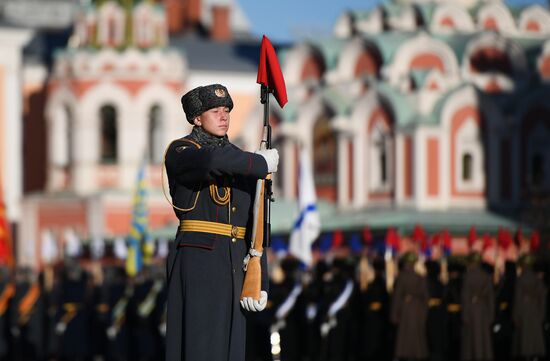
[220, 93]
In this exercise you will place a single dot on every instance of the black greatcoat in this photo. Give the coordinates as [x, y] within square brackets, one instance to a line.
[409, 310]
[205, 270]
[478, 309]
[528, 315]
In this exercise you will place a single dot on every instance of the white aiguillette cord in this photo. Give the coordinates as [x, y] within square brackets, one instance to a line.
[335, 307]
[286, 306]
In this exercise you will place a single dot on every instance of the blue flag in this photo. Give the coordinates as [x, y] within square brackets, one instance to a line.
[139, 231]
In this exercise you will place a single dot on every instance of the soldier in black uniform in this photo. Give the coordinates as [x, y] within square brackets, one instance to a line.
[437, 321]
[72, 320]
[528, 312]
[142, 317]
[409, 311]
[7, 289]
[452, 302]
[26, 317]
[373, 343]
[212, 184]
[503, 327]
[478, 311]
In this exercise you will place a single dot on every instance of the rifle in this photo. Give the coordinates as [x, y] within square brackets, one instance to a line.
[261, 227]
[271, 79]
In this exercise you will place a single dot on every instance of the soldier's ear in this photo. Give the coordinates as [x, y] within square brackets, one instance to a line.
[197, 121]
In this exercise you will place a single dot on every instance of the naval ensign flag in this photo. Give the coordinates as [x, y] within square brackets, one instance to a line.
[308, 225]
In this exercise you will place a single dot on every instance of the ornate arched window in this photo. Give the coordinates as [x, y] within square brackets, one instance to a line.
[380, 158]
[469, 158]
[156, 133]
[325, 160]
[467, 167]
[108, 121]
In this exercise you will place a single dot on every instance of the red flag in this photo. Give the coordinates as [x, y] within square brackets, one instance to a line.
[418, 234]
[337, 239]
[269, 72]
[535, 240]
[367, 235]
[504, 238]
[436, 238]
[6, 256]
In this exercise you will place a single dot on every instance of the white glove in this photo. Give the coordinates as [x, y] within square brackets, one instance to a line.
[250, 304]
[271, 157]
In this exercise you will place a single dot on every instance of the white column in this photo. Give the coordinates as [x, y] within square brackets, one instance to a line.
[132, 139]
[419, 173]
[399, 169]
[343, 170]
[57, 148]
[11, 42]
[86, 151]
[25, 247]
[360, 172]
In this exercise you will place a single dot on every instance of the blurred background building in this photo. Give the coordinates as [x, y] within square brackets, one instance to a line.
[428, 113]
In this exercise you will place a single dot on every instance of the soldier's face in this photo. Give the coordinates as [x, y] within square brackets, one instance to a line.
[215, 121]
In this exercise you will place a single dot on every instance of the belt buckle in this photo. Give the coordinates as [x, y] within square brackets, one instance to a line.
[234, 231]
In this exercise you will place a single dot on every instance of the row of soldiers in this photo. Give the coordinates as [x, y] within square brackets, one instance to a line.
[79, 312]
[341, 312]
[342, 308]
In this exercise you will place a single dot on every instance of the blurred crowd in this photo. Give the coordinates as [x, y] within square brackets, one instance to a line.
[346, 306]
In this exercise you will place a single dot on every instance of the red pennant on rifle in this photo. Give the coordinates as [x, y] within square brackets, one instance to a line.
[269, 72]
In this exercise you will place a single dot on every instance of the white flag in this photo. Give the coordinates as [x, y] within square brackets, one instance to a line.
[48, 247]
[308, 225]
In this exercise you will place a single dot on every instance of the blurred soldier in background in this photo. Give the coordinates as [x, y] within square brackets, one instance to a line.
[409, 311]
[478, 310]
[338, 305]
[285, 312]
[142, 318]
[118, 294]
[437, 316]
[503, 327]
[72, 320]
[26, 317]
[311, 296]
[7, 290]
[528, 313]
[373, 314]
[452, 302]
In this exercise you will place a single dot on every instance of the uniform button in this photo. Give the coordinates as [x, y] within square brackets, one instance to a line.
[233, 239]
[233, 209]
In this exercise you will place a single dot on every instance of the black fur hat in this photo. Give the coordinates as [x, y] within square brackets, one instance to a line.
[198, 100]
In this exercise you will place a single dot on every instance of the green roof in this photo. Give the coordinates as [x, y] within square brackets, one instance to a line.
[427, 11]
[330, 49]
[283, 214]
[401, 104]
[388, 43]
[457, 42]
[340, 103]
